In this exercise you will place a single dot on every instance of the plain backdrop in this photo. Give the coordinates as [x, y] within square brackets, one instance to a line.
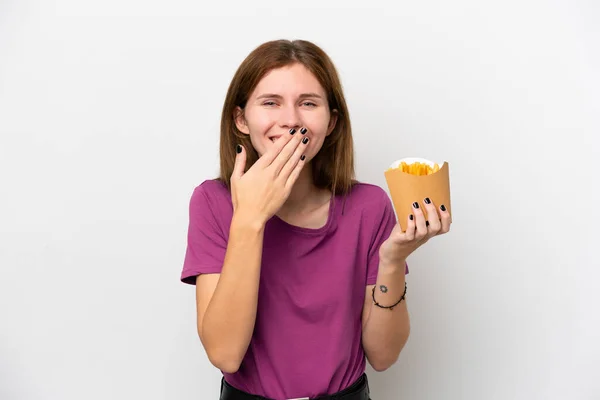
[109, 117]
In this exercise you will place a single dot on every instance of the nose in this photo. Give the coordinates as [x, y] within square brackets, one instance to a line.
[289, 117]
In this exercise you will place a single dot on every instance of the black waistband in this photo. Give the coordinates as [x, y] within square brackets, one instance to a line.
[359, 390]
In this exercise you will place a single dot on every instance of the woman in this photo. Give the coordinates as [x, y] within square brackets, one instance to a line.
[299, 269]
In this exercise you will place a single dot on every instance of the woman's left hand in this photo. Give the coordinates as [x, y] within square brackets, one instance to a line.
[399, 245]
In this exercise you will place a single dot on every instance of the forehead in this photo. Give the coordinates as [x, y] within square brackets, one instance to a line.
[290, 79]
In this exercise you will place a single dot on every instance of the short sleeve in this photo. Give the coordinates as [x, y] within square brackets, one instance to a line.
[383, 226]
[206, 243]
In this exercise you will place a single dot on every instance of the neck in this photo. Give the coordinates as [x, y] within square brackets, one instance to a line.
[304, 194]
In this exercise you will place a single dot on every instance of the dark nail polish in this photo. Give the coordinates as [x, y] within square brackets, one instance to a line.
[302, 157]
[426, 223]
[292, 131]
[443, 207]
[416, 205]
[238, 149]
[303, 131]
[305, 140]
[411, 217]
[427, 201]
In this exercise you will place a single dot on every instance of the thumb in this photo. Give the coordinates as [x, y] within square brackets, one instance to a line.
[240, 161]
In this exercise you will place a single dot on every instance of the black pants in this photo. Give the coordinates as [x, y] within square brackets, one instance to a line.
[357, 391]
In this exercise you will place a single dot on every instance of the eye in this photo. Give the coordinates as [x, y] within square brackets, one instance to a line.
[269, 103]
[309, 104]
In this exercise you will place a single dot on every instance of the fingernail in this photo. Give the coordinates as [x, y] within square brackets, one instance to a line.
[305, 140]
[292, 131]
[416, 205]
[302, 157]
[443, 207]
[303, 131]
[427, 201]
[426, 223]
[411, 217]
[238, 149]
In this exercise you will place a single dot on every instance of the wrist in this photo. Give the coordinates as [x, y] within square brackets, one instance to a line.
[391, 260]
[391, 266]
[247, 221]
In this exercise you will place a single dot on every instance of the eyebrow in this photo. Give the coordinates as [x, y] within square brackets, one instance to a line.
[277, 96]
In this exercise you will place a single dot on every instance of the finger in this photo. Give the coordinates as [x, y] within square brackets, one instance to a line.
[409, 235]
[290, 165]
[446, 219]
[295, 173]
[286, 153]
[433, 219]
[271, 154]
[240, 162]
[420, 221]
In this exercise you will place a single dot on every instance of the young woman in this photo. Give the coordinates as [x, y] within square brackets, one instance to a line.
[299, 269]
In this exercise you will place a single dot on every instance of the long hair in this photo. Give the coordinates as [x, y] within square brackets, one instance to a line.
[333, 165]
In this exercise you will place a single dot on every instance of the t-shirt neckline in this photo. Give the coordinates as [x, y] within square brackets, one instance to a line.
[312, 231]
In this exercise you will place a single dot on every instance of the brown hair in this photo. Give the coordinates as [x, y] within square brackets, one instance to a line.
[333, 166]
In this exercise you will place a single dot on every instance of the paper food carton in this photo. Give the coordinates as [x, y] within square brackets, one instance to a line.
[413, 179]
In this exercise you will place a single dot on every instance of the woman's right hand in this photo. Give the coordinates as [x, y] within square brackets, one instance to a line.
[264, 188]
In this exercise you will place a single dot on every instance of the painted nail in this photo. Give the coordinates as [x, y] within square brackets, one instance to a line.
[238, 149]
[416, 205]
[292, 131]
[443, 207]
[302, 157]
[427, 201]
[411, 217]
[303, 131]
[305, 140]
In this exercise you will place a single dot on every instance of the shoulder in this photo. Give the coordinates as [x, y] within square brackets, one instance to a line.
[212, 197]
[368, 208]
[211, 191]
[366, 190]
[369, 198]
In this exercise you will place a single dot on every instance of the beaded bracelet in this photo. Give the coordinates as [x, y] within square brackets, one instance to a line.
[393, 305]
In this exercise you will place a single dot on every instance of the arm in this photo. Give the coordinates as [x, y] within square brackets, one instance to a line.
[227, 302]
[385, 331]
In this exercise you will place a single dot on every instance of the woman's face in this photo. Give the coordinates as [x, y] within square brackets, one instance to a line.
[286, 98]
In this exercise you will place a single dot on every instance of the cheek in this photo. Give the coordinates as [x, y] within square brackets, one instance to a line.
[259, 124]
[258, 121]
[318, 123]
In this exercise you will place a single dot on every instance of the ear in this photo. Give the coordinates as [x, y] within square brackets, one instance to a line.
[240, 121]
[332, 121]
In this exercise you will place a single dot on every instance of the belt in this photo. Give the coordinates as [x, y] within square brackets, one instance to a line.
[357, 391]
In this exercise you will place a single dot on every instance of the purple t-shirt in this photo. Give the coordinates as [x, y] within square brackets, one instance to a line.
[307, 337]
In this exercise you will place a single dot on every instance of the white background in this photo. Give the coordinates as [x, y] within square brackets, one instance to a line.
[109, 116]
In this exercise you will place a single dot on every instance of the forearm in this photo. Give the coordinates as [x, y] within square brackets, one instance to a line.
[386, 330]
[231, 314]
